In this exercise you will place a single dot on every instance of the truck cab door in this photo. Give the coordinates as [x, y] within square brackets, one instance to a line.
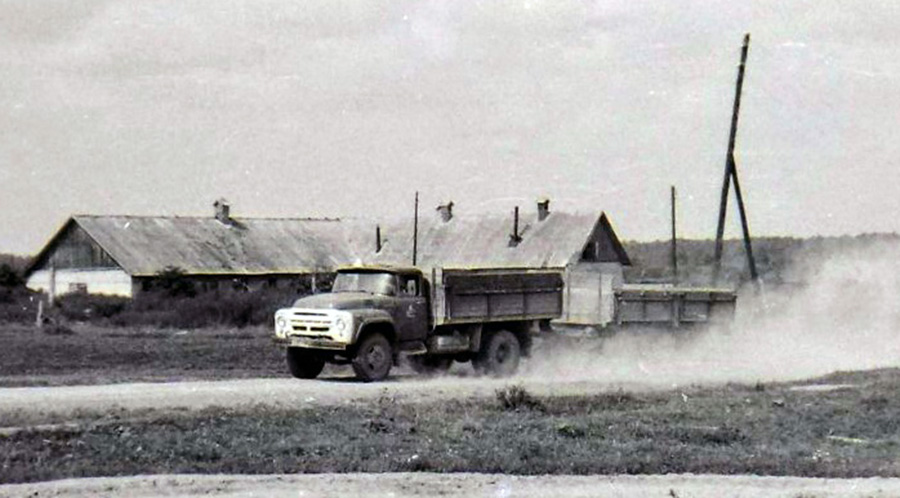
[411, 312]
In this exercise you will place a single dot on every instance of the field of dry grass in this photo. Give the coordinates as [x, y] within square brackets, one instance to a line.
[88, 354]
[844, 426]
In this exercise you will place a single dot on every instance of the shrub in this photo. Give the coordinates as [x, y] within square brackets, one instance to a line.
[516, 397]
[18, 305]
[9, 277]
[173, 281]
[206, 309]
[87, 307]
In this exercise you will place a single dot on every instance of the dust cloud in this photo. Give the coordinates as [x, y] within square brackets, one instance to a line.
[844, 315]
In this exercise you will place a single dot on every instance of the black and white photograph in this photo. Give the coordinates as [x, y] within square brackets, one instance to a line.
[418, 248]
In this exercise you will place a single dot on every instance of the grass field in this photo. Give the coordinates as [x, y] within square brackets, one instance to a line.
[848, 429]
[98, 355]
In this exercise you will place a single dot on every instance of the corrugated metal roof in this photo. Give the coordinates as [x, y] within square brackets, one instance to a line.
[484, 241]
[147, 245]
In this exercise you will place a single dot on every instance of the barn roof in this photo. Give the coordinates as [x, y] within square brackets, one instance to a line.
[146, 245]
[484, 241]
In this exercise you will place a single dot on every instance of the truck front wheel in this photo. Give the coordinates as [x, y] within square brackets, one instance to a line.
[499, 355]
[304, 364]
[374, 358]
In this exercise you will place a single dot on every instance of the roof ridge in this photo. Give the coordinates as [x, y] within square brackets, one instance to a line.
[197, 217]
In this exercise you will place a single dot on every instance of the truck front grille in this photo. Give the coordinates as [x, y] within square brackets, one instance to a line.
[306, 322]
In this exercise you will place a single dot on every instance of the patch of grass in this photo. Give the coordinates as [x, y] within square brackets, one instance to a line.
[723, 430]
[515, 398]
[91, 355]
[155, 308]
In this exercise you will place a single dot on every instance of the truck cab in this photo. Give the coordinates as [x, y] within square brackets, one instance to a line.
[371, 312]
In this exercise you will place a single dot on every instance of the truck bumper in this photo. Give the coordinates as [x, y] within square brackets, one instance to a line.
[310, 343]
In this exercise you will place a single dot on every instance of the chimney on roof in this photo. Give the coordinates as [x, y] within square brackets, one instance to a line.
[223, 210]
[446, 211]
[515, 237]
[543, 208]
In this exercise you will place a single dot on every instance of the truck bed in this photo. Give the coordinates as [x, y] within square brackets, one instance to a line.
[655, 304]
[492, 295]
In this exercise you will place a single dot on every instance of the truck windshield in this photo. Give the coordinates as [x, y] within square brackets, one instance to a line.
[373, 283]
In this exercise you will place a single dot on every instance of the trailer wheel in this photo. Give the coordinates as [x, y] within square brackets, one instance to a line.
[373, 359]
[499, 355]
[304, 364]
[430, 365]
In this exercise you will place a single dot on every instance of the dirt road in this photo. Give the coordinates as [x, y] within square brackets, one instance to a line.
[462, 485]
[279, 392]
[570, 372]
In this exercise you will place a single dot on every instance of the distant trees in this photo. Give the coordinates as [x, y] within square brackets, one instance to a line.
[9, 277]
[12, 269]
[778, 259]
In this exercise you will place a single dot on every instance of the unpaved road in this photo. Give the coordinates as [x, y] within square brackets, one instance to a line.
[453, 485]
[567, 377]
[276, 392]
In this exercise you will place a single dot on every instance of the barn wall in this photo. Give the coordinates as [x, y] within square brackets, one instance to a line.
[75, 249]
[600, 247]
[589, 295]
[111, 282]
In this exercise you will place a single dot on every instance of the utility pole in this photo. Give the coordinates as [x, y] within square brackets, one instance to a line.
[674, 242]
[731, 175]
[416, 231]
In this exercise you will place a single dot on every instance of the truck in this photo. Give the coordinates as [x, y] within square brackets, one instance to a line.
[375, 314]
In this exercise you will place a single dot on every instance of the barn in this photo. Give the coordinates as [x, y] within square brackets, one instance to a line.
[124, 255]
[584, 246]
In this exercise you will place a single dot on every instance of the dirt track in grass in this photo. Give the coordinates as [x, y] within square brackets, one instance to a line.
[453, 485]
[293, 393]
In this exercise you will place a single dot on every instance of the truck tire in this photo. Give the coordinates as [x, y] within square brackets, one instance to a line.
[430, 365]
[373, 359]
[499, 355]
[304, 364]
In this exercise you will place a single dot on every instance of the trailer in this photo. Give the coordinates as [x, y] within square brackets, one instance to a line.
[670, 306]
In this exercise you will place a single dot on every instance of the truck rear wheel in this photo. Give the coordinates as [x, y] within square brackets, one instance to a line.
[374, 358]
[499, 355]
[304, 364]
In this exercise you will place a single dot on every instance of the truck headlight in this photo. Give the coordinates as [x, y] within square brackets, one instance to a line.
[343, 325]
[281, 325]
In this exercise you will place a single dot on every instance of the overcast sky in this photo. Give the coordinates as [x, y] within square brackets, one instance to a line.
[346, 108]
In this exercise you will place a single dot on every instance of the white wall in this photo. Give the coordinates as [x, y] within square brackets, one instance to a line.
[106, 281]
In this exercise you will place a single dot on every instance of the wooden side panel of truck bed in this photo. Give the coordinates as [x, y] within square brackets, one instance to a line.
[491, 295]
[674, 305]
